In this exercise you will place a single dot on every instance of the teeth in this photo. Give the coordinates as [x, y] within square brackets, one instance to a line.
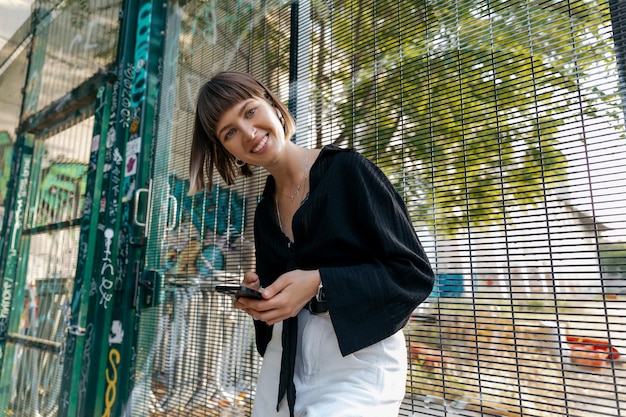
[260, 145]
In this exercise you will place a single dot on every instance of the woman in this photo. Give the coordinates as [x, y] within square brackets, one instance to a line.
[337, 259]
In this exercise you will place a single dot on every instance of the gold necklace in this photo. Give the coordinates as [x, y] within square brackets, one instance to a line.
[292, 197]
[306, 175]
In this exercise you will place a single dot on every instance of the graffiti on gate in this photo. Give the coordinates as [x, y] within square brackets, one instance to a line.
[89, 342]
[10, 269]
[6, 153]
[108, 207]
[61, 190]
[107, 266]
[84, 43]
[140, 81]
[111, 378]
[210, 225]
[71, 311]
[34, 367]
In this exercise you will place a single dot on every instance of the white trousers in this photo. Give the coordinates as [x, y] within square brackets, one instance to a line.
[368, 383]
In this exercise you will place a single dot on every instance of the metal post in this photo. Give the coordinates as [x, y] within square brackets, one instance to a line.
[74, 342]
[94, 378]
[108, 363]
[618, 20]
[16, 199]
[13, 226]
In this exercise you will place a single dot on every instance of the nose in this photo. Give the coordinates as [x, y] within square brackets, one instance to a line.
[249, 129]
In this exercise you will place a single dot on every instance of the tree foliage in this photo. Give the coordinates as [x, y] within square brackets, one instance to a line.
[460, 101]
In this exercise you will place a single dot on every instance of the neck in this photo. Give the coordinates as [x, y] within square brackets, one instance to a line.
[291, 173]
[293, 179]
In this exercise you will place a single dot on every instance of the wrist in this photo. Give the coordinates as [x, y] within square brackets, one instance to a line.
[318, 290]
[320, 295]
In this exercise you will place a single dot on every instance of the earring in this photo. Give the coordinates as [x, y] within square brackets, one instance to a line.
[239, 163]
[280, 117]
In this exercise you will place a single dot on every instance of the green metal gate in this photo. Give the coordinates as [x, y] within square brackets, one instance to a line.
[48, 249]
[506, 144]
[196, 352]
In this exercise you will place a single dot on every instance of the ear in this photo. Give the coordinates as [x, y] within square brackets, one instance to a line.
[280, 116]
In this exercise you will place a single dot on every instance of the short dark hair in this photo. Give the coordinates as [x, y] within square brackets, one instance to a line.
[215, 97]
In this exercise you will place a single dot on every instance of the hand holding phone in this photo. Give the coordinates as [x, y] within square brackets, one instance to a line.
[238, 291]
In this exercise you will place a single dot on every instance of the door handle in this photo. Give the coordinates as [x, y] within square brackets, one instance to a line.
[169, 227]
[136, 221]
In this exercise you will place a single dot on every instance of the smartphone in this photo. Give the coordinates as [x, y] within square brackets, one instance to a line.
[239, 291]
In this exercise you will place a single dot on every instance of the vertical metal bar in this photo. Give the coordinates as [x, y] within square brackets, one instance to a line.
[147, 68]
[13, 226]
[143, 399]
[302, 108]
[15, 203]
[293, 61]
[19, 283]
[94, 377]
[40, 26]
[74, 343]
[31, 94]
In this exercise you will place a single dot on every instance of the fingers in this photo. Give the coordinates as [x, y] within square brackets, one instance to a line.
[263, 310]
[249, 306]
[282, 299]
[244, 307]
[279, 285]
[251, 280]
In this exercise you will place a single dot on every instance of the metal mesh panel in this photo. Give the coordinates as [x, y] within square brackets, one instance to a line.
[501, 126]
[62, 177]
[13, 64]
[75, 39]
[16, 40]
[51, 241]
[12, 78]
[203, 359]
[37, 369]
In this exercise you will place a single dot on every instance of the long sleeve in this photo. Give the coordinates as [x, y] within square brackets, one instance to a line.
[387, 275]
[355, 229]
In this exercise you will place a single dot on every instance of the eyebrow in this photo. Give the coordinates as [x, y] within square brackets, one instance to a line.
[241, 111]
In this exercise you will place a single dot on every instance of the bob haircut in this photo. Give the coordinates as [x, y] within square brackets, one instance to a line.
[216, 96]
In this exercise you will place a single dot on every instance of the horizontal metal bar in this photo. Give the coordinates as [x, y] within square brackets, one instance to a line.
[53, 226]
[57, 113]
[34, 342]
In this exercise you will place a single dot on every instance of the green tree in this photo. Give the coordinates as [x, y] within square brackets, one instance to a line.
[474, 91]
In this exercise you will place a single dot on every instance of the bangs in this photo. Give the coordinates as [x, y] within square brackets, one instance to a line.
[219, 95]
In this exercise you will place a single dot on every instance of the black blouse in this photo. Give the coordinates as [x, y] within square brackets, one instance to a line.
[354, 227]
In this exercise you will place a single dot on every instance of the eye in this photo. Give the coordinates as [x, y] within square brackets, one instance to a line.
[251, 112]
[229, 134]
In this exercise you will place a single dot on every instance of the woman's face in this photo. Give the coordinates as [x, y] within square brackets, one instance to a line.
[251, 131]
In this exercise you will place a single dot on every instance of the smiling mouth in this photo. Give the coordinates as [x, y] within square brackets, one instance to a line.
[261, 144]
